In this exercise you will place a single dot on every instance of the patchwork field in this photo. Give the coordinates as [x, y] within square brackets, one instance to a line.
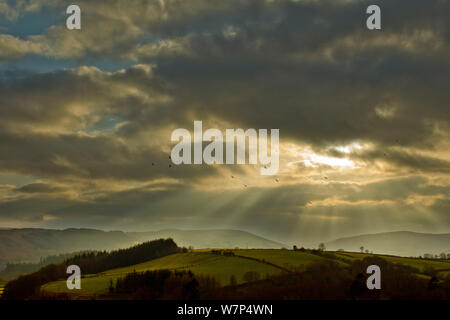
[223, 267]
[201, 263]
[420, 264]
[285, 258]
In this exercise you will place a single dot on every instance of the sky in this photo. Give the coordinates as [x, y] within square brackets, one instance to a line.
[86, 115]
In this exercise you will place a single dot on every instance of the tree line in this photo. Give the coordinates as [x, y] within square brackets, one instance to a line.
[28, 286]
[95, 262]
[14, 270]
[155, 285]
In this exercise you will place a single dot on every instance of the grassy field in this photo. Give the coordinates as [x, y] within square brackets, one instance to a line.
[285, 258]
[420, 264]
[201, 263]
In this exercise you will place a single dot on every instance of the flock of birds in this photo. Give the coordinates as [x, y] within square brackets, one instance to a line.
[245, 185]
[277, 180]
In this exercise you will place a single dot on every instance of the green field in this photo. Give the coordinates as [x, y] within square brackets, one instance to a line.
[285, 258]
[199, 262]
[420, 264]
[203, 262]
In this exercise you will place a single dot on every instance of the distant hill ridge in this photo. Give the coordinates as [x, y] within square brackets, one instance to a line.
[220, 238]
[31, 244]
[403, 243]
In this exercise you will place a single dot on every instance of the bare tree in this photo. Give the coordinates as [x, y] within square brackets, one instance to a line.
[362, 249]
[251, 276]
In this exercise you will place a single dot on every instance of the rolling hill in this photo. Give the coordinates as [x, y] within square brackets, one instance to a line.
[29, 245]
[401, 243]
[200, 262]
[210, 238]
[222, 267]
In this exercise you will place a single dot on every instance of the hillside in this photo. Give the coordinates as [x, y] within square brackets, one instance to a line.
[221, 267]
[92, 262]
[401, 243]
[31, 244]
[441, 266]
[210, 238]
[18, 245]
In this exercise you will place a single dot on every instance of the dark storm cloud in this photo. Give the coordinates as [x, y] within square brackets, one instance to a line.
[42, 116]
[394, 189]
[408, 160]
[76, 98]
[309, 68]
[31, 209]
[79, 156]
[323, 88]
[232, 58]
[42, 188]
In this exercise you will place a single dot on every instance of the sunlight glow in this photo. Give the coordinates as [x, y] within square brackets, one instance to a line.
[349, 148]
[315, 159]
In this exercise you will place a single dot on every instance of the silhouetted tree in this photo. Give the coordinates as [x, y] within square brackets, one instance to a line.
[251, 276]
[433, 284]
[233, 280]
[111, 286]
[191, 289]
[358, 287]
[228, 253]
[429, 270]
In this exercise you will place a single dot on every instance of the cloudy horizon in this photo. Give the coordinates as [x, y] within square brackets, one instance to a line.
[86, 115]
